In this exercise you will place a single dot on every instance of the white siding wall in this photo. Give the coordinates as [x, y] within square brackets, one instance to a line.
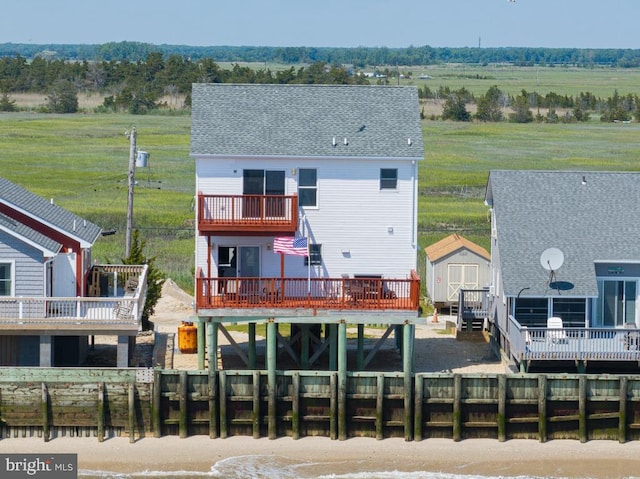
[352, 215]
[499, 300]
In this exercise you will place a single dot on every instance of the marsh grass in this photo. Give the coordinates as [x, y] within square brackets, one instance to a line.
[601, 81]
[81, 162]
[87, 101]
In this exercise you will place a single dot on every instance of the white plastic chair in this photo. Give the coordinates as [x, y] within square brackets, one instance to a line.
[555, 331]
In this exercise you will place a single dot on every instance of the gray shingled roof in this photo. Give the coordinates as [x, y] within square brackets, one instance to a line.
[590, 216]
[37, 207]
[29, 234]
[303, 120]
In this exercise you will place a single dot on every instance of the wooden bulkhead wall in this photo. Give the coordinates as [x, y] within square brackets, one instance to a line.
[144, 402]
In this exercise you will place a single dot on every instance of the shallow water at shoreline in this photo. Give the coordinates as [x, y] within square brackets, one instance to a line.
[239, 457]
[275, 467]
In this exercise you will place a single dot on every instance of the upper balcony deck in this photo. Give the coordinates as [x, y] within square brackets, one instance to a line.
[265, 215]
[292, 297]
[120, 313]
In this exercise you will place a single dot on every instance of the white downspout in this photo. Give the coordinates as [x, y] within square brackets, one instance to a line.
[414, 206]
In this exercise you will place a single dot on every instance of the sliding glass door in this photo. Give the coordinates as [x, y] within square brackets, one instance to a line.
[616, 305]
[257, 183]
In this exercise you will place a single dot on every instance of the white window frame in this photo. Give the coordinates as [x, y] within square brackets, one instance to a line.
[12, 278]
[395, 187]
[309, 187]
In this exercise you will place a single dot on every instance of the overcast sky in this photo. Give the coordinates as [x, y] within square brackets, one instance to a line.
[327, 23]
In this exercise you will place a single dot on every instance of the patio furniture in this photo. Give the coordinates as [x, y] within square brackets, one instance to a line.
[555, 330]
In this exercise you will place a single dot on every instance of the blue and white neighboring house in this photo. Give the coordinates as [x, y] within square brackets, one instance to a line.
[336, 165]
[564, 245]
[52, 298]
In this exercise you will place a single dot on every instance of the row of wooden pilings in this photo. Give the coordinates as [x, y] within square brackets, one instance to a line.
[106, 402]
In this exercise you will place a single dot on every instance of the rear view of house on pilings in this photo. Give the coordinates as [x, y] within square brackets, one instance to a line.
[306, 219]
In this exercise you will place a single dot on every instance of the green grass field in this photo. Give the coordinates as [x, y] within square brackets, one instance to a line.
[459, 156]
[81, 162]
[601, 81]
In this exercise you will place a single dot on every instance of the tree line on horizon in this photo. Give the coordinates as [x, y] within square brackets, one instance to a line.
[359, 57]
[140, 87]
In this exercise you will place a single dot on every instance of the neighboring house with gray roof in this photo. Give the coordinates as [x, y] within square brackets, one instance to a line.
[336, 164]
[45, 269]
[565, 244]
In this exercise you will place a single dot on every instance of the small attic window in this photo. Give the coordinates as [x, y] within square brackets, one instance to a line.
[388, 178]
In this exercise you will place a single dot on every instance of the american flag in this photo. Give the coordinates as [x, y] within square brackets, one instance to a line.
[291, 245]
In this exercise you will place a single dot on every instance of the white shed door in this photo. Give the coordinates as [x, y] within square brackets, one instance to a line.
[463, 276]
[64, 275]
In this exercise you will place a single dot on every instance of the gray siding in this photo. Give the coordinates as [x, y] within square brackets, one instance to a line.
[439, 290]
[29, 265]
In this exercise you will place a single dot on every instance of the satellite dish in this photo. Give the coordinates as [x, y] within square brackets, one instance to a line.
[552, 259]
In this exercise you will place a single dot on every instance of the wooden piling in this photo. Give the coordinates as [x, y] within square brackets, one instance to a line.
[201, 338]
[272, 410]
[45, 412]
[360, 348]
[252, 356]
[183, 393]
[213, 406]
[407, 366]
[333, 406]
[132, 412]
[380, 406]
[212, 349]
[295, 406]
[257, 413]
[582, 408]
[542, 408]
[622, 410]
[342, 381]
[304, 346]
[333, 347]
[156, 409]
[100, 411]
[457, 407]
[418, 407]
[224, 423]
[502, 408]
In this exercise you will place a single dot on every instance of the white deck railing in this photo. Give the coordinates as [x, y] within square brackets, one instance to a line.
[68, 310]
[126, 309]
[577, 344]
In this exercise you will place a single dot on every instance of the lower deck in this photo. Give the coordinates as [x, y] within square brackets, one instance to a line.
[570, 349]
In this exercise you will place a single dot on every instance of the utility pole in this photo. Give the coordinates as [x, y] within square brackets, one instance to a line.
[132, 167]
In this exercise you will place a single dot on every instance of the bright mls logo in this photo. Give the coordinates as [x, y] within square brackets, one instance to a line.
[38, 466]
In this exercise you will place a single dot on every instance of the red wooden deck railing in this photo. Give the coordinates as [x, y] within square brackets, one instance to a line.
[256, 214]
[314, 293]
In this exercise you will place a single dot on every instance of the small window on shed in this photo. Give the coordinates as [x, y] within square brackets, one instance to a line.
[388, 178]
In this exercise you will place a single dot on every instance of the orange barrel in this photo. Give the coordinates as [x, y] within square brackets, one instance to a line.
[187, 338]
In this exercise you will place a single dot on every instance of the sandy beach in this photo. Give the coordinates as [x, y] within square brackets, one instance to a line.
[436, 350]
[318, 456]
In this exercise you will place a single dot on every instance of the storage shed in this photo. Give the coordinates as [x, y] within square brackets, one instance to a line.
[454, 263]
